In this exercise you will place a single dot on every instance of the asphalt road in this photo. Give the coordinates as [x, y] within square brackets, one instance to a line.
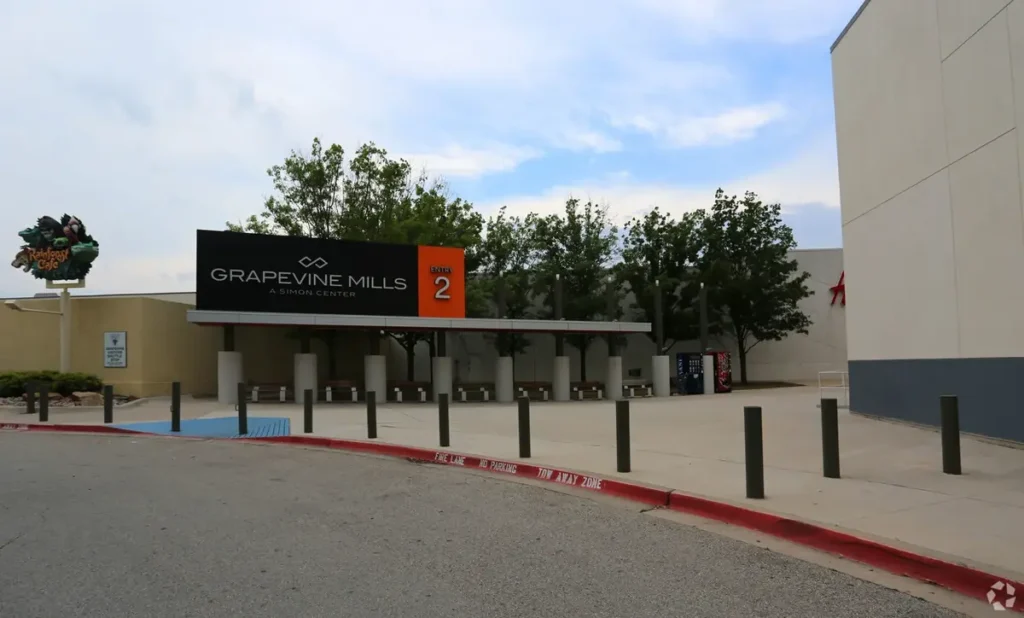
[97, 526]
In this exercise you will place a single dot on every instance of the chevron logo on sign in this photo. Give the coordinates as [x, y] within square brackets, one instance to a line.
[314, 262]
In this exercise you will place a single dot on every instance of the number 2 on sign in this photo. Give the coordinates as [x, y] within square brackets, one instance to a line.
[442, 284]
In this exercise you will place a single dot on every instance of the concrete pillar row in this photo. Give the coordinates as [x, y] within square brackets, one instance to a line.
[613, 381]
[442, 376]
[375, 375]
[560, 379]
[504, 379]
[709, 374]
[229, 374]
[661, 373]
[305, 376]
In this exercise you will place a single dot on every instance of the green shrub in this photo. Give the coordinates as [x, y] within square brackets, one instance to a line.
[14, 383]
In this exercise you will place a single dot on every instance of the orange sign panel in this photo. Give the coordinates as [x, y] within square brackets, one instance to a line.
[441, 280]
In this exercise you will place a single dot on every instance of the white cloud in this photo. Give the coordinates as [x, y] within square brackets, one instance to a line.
[588, 140]
[459, 162]
[808, 178]
[732, 125]
[151, 119]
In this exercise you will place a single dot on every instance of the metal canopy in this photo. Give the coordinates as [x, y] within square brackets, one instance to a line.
[412, 323]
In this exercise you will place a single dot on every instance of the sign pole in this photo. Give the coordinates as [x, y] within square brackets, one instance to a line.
[703, 310]
[65, 319]
[65, 331]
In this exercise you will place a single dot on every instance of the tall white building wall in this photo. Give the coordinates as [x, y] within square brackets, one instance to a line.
[928, 97]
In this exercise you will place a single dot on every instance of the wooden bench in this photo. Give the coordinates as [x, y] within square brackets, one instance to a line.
[637, 388]
[474, 392]
[588, 390]
[341, 391]
[534, 390]
[408, 391]
[270, 391]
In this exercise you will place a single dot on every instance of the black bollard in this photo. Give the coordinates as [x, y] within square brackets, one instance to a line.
[524, 427]
[108, 404]
[307, 411]
[950, 409]
[176, 407]
[622, 435]
[442, 419]
[31, 388]
[371, 415]
[44, 402]
[830, 438]
[754, 451]
[243, 410]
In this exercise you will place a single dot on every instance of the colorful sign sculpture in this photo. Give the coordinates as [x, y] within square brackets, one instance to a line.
[56, 250]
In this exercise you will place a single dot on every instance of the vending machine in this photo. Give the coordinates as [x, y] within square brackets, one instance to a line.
[690, 373]
[723, 372]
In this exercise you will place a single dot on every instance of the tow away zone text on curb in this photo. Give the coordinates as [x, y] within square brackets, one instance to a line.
[544, 474]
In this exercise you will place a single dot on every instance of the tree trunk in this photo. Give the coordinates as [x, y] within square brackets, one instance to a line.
[583, 344]
[743, 365]
[432, 351]
[332, 355]
[410, 362]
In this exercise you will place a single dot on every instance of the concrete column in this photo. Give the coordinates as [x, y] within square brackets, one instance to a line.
[375, 375]
[305, 376]
[560, 379]
[709, 374]
[661, 372]
[65, 331]
[442, 366]
[613, 382]
[504, 380]
[229, 374]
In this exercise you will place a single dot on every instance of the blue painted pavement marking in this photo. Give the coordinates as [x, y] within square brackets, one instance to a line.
[225, 427]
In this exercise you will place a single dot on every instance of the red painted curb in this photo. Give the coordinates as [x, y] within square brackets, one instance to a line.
[654, 496]
[964, 580]
[958, 578]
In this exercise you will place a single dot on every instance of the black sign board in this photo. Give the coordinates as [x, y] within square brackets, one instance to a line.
[284, 274]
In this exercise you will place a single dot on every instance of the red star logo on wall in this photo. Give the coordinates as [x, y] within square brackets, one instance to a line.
[839, 289]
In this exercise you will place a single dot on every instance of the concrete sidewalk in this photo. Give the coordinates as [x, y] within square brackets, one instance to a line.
[892, 489]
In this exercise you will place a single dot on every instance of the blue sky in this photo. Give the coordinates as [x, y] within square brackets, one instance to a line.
[150, 119]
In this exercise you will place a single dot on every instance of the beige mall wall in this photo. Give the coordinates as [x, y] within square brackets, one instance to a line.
[162, 345]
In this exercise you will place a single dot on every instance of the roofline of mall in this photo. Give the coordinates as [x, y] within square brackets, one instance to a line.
[849, 25]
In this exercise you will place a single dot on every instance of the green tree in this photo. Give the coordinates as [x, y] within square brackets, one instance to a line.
[373, 198]
[436, 219]
[309, 199]
[658, 248]
[753, 285]
[579, 244]
[506, 257]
